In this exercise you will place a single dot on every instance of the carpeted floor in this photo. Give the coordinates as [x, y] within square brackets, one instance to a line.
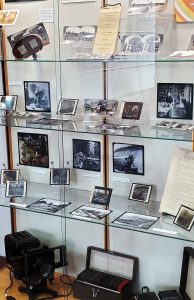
[2, 262]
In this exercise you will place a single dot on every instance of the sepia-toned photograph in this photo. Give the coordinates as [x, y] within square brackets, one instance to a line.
[48, 205]
[101, 196]
[140, 192]
[9, 175]
[90, 212]
[67, 106]
[16, 188]
[185, 217]
[175, 100]
[79, 34]
[131, 110]
[8, 16]
[37, 96]
[138, 221]
[100, 107]
[33, 149]
[86, 155]
[8, 102]
[59, 176]
[128, 159]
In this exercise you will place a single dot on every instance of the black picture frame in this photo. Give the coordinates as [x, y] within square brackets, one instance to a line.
[16, 189]
[131, 110]
[143, 196]
[12, 175]
[41, 94]
[170, 101]
[59, 176]
[87, 155]
[10, 106]
[101, 196]
[71, 110]
[183, 221]
[188, 256]
[128, 162]
[35, 144]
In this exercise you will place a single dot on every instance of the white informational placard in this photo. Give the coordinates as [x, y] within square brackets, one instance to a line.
[46, 15]
[76, 1]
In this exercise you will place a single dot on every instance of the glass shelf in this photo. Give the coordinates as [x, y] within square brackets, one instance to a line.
[162, 227]
[136, 129]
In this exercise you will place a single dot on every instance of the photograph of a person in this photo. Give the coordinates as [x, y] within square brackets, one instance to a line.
[100, 107]
[140, 192]
[16, 189]
[101, 196]
[131, 110]
[33, 149]
[132, 220]
[86, 155]
[9, 175]
[185, 217]
[128, 159]
[48, 205]
[175, 100]
[8, 102]
[67, 106]
[59, 176]
[90, 212]
[37, 96]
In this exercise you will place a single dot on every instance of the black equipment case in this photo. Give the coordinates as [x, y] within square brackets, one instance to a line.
[108, 276]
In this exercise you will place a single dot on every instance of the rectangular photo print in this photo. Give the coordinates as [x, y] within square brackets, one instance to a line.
[146, 7]
[9, 175]
[175, 100]
[140, 192]
[100, 107]
[33, 149]
[59, 176]
[128, 159]
[185, 217]
[79, 34]
[8, 102]
[137, 221]
[16, 189]
[86, 155]
[131, 110]
[48, 205]
[67, 106]
[90, 212]
[101, 196]
[37, 96]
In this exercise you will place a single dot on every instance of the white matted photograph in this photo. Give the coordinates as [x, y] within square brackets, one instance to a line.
[48, 205]
[9, 175]
[140, 192]
[138, 221]
[101, 196]
[8, 102]
[16, 189]
[90, 212]
[59, 176]
[67, 106]
[185, 217]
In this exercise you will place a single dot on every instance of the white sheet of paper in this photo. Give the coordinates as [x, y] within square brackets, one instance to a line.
[46, 15]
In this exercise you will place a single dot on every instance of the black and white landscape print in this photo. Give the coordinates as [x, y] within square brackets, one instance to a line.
[48, 205]
[67, 106]
[16, 188]
[100, 107]
[90, 212]
[135, 220]
[128, 159]
[86, 155]
[101, 196]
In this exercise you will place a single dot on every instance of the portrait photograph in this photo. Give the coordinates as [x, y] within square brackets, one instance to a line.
[8, 102]
[16, 188]
[175, 101]
[86, 155]
[48, 205]
[37, 96]
[128, 159]
[101, 196]
[140, 192]
[67, 106]
[90, 212]
[133, 220]
[100, 107]
[33, 150]
[9, 175]
[185, 217]
[131, 110]
[59, 176]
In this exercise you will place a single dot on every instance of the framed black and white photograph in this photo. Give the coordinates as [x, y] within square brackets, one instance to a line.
[67, 106]
[138, 221]
[128, 159]
[59, 176]
[175, 100]
[186, 288]
[131, 110]
[87, 155]
[9, 175]
[8, 102]
[185, 217]
[90, 212]
[16, 189]
[48, 205]
[37, 96]
[101, 196]
[33, 149]
[100, 107]
[140, 192]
